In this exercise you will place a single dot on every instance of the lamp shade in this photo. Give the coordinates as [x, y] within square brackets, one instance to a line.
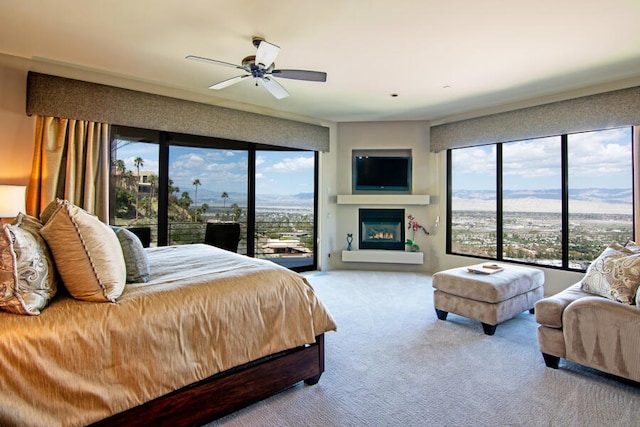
[12, 200]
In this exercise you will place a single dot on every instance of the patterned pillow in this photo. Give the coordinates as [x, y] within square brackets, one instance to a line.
[27, 274]
[135, 257]
[624, 278]
[595, 280]
[87, 254]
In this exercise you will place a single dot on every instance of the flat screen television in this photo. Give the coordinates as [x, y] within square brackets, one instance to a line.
[382, 173]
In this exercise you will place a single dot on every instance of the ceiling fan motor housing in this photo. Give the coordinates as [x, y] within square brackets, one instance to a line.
[256, 41]
[250, 66]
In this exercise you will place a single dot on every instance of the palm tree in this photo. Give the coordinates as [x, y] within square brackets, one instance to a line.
[153, 180]
[237, 211]
[138, 162]
[120, 169]
[185, 200]
[196, 183]
[224, 196]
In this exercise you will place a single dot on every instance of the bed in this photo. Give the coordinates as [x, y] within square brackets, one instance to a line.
[209, 332]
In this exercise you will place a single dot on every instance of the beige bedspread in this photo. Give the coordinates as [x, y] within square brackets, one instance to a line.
[204, 311]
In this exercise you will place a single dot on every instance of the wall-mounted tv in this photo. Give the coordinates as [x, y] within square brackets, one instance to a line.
[382, 173]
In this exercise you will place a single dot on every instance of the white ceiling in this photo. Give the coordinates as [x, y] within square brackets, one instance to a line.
[441, 57]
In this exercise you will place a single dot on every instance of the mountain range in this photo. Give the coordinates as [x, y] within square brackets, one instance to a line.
[582, 200]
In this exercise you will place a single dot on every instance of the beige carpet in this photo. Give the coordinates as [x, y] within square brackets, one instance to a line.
[392, 363]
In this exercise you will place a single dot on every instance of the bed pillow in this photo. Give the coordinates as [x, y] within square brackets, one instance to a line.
[596, 279]
[87, 254]
[45, 215]
[136, 260]
[27, 274]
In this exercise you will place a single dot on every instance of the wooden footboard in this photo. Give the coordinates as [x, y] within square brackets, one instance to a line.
[228, 391]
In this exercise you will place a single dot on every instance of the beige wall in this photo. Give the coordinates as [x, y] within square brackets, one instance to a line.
[335, 221]
[429, 173]
[376, 136]
[16, 128]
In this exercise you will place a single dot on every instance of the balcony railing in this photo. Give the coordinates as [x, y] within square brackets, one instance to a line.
[286, 243]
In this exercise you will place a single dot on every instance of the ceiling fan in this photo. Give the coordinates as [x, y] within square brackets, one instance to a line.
[261, 66]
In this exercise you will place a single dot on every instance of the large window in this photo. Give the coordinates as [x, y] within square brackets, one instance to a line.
[555, 201]
[178, 185]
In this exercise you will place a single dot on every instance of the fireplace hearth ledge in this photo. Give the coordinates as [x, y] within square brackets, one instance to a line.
[383, 256]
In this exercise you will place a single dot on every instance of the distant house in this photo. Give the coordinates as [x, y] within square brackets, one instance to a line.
[290, 247]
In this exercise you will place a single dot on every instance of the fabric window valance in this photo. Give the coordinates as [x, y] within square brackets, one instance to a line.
[75, 99]
[595, 112]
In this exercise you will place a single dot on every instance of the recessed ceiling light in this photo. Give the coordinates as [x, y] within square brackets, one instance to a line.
[394, 95]
[446, 87]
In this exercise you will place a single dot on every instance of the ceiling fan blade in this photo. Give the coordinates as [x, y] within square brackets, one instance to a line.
[314, 76]
[228, 82]
[266, 54]
[275, 88]
[212, 61]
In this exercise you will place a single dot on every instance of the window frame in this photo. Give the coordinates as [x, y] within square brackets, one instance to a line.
[564, 153]
[166, 139]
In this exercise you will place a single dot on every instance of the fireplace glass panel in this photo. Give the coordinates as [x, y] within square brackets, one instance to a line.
[381, 229]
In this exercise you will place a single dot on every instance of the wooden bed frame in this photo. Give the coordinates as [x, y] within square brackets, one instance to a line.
[228, 391]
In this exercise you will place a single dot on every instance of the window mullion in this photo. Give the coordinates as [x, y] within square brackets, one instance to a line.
[499, 205]
[565, 199]
[163, 190]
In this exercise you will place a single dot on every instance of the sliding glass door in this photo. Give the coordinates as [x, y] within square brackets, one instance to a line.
[285, 230]
[181, 185]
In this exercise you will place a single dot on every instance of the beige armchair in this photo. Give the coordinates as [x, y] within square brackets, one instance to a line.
[590, 330]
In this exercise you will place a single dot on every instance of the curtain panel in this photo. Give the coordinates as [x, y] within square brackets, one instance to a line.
[71, 162]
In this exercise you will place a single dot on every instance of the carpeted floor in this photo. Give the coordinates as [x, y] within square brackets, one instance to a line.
[393, 363]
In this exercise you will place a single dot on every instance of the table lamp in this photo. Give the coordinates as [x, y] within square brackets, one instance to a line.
[12, 201]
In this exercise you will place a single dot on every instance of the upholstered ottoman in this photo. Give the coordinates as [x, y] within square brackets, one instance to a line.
[488, 298]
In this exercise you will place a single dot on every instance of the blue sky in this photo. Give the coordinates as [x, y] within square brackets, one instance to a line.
[596, 159]
[277, 172]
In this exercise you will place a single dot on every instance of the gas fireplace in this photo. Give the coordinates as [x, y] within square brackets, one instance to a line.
[381, 229]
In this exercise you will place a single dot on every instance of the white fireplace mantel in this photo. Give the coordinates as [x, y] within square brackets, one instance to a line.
[383, 199]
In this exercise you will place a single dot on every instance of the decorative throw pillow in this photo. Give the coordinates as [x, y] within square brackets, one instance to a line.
[624, 278]
[631, 245]
[27, 275]
[45, 215]
[595, 280]
[135, 257]
[87, 254]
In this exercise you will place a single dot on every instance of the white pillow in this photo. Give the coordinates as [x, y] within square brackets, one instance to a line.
[87, 254]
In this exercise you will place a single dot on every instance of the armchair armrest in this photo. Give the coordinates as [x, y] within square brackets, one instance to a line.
[549, 310]
[605, 335]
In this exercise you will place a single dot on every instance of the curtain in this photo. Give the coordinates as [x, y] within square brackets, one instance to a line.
[71, 162]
